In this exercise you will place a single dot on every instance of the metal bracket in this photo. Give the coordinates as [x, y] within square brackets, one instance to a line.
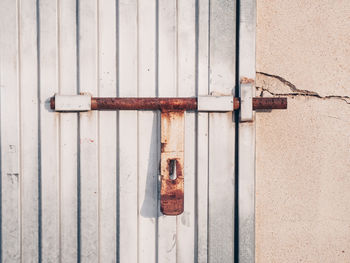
[216, 103]
[73, 102]
[246, 90]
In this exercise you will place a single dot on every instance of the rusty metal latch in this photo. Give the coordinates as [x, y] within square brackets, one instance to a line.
[172, 127]
[84, 102]
[172, 162]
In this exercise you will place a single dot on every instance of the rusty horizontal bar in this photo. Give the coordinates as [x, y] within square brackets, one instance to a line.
[143, 103]
[269, 103]
[172, 103]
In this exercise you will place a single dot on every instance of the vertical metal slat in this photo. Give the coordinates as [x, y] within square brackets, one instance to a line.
[246, 147]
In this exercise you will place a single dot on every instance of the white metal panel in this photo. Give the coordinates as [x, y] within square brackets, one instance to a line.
[29, 172]
[10, 133]
[202, 133]
[167, 84]
[246, 143]
[221, 125]
[148, 135]
[49, 131]
[186, 82]
[128, 130]
[68, 137]
[107, 133]
[91, 179]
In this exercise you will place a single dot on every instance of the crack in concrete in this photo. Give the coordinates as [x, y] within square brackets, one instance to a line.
[296, 91]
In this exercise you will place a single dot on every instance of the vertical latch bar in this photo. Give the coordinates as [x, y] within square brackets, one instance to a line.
[172, 162]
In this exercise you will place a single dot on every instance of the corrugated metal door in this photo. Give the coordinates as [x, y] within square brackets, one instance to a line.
[83, 187]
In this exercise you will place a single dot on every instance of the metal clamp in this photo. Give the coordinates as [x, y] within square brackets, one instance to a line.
[246, 90]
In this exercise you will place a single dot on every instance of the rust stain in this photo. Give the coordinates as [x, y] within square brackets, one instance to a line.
[162, 146]
[172, 204]
[52, 103]
[245, 80]
[236, 103]
[172, 192]
[171, 104]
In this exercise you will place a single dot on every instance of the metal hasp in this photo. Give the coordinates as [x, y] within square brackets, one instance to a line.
[246, 90]
[172, 128]
[172, 162]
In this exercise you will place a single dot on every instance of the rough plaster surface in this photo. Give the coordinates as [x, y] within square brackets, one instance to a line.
[303, 154]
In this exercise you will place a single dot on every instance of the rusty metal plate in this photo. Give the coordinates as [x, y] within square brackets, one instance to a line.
[172, 162]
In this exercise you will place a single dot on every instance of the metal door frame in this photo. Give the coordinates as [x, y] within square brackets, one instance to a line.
[245, 172]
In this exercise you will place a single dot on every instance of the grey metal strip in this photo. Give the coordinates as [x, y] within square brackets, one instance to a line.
[246, 144]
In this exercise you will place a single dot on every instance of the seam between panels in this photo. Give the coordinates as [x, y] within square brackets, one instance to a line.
[236, 140]
[1, 172]
[59, 137]
[117, 138]
[78, 161]
[19, 101]
[195, 253]
[39, 132]
[137, 128]
[208, 157]
[99, 190]
[158, 131]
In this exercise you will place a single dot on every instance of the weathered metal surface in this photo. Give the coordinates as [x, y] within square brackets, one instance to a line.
[83, 187]
[144, 103]
[265, 103]
[172, 162]
[10, 146]
[221, 160]
[245, 227]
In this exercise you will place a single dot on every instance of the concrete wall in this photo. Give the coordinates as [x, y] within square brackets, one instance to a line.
[303, 154]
